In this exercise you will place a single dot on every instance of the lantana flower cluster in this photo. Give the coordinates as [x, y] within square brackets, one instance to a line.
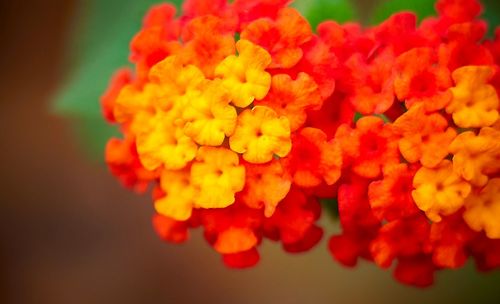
[242, 118]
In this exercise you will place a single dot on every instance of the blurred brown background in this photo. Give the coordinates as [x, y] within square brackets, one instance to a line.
[70, 234]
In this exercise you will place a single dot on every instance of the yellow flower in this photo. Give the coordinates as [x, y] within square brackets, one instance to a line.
[208, 117]
[219, 176]
[161, 143]
[476, 156]
[260, 134]
[483, 209]
[475, 102]
[244, 76]
[439, 191]
[180, 195]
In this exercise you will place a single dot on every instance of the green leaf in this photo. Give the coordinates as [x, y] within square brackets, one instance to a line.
[331, 207]
[98, 46]
[386, 8]
[492, 15]
[317, 11]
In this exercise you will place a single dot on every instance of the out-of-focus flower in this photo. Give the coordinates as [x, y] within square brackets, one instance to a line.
[241, 118]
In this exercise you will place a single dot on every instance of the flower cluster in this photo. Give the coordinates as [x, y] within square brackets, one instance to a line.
[242, 119]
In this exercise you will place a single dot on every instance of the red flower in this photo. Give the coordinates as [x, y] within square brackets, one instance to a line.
[419, 79]
[170, 230]
[450, 239]
[240, 260]
[123, 162]
[373, 90]
[119, 80]
[282, 38]
[369, 147]
[390, 198]
[416, 270]
[401, 238]
[156, 40]
[250, 10]
[313, 159]
[294, 219]
[458, 11]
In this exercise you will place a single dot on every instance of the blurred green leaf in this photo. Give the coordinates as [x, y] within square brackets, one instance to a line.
[423, 8]
[331, 207]
[99, 45]
[317, 11]
[492, 14]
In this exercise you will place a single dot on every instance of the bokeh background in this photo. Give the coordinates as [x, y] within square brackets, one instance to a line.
[69, 233]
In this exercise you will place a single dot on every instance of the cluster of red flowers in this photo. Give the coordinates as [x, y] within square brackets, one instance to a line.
[244, 119]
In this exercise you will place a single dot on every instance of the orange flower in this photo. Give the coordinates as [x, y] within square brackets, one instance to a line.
[219, 176]
[475, 103]
[424, 137]
[234, 240]
[476, 156]
[244, 76]
[439, 191]
[180, 196]
[292, 98]
[260, 134]
[281, 38]
[482, 209]
[207, 42]
[175, 77]
[266, 186]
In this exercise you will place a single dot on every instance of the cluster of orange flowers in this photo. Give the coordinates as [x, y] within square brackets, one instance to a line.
[243, 119]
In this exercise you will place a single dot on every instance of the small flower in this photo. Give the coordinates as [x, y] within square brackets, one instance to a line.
[369, 147]
[260, 134]
[281, 38]
[439, 191]
[208, 117]
[234, 240]
[313, 159]
[390, 198]
[207, 42]
[400, 238]
[482, 209]
[123, 161]
[179, 195]
[218, 175]
[292, 98]
[162, 144]
[424, 137]
[420, 80]
[244, 76]
[476, 156]
[475, 102]
[373, 83]
[266, 186]
[170, 230]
